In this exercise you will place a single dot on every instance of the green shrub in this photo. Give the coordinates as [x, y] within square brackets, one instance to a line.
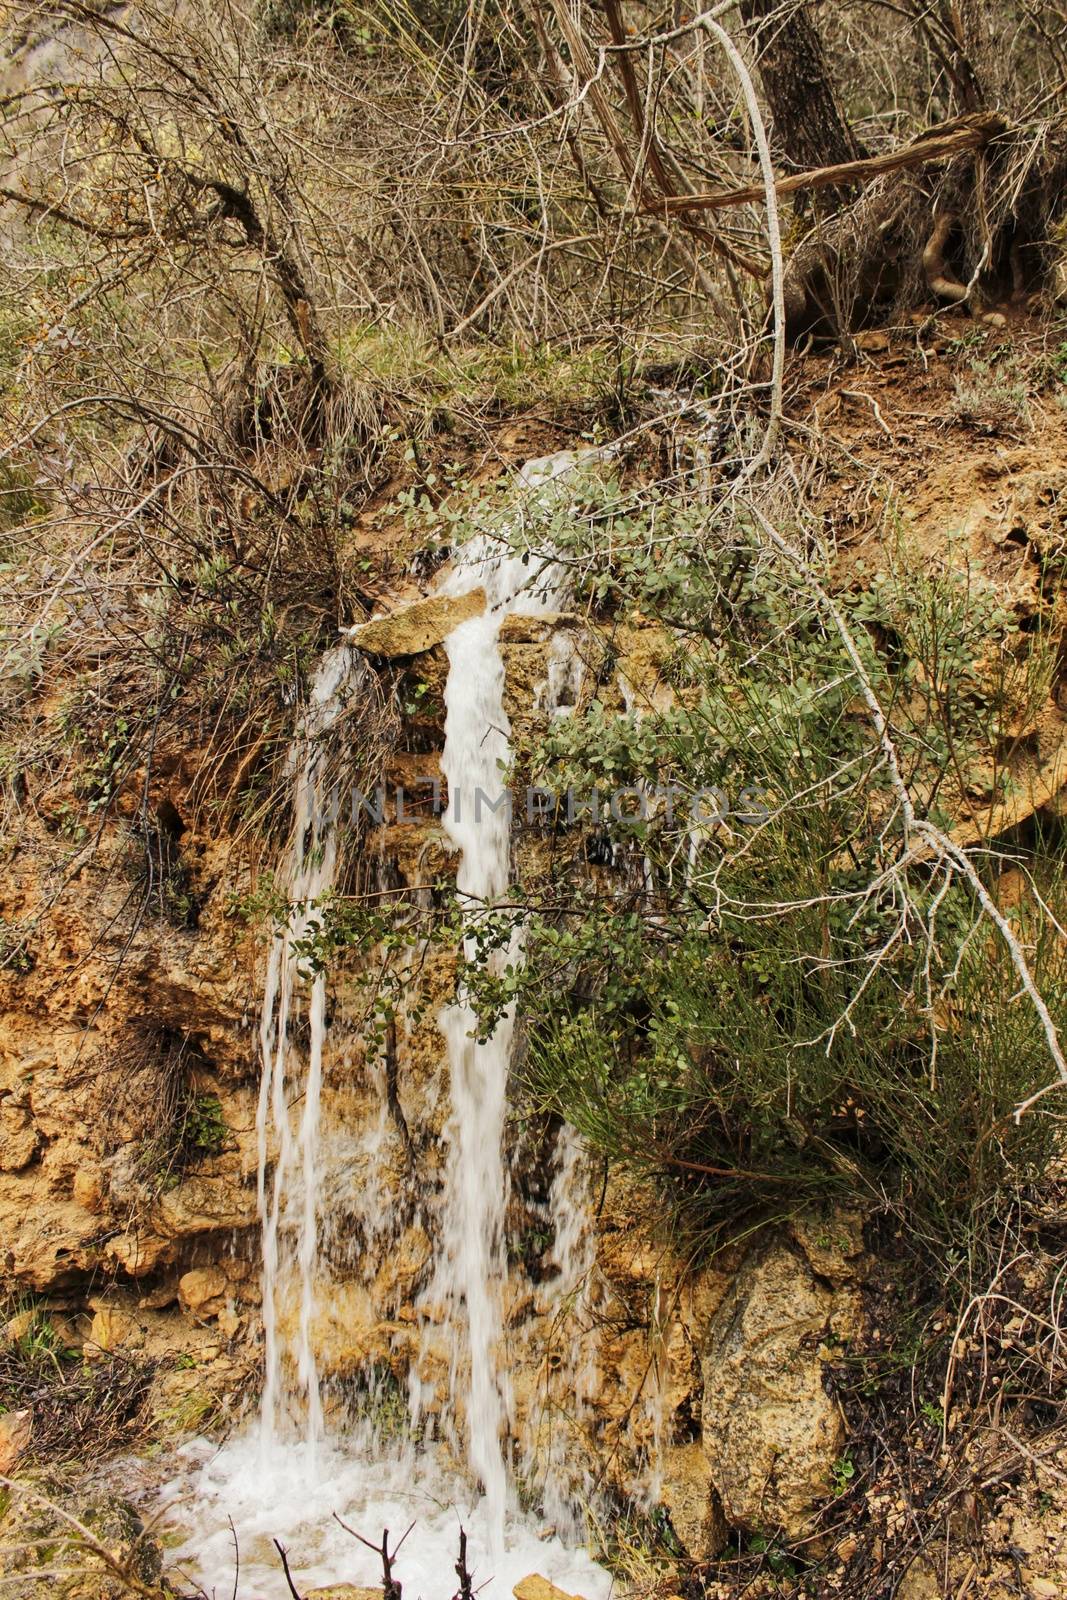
[204, 1131]
[792, 1002]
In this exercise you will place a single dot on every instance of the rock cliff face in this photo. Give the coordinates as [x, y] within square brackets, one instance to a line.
[128, 1155]
[128, 1164]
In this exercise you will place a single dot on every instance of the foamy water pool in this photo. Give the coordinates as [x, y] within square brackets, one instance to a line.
[284, 1494]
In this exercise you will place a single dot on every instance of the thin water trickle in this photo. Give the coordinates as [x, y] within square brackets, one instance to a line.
[289, 1204]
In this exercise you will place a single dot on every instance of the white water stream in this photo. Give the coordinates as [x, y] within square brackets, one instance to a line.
[289, 1479]
[471, 1266]
[289, 1205]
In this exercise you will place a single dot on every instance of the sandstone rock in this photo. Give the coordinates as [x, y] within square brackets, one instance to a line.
[19, 1138]
[533, 629]
[112, 1329]
[537, 1588]
[16, 1429]
[89, 1189]
[403, 1267]
[19, 1326]
[771, 1432]
[53, 1241]
[345, 1330]
[33, 1536]
[833, 1244]
[689, 1495]
[205, 1205]
[203, 1290]
[343, 1591]
[643, 655]
[70, 1331]
[418, 627]
[230, 1324]
[157, 1299]
[139, 1253]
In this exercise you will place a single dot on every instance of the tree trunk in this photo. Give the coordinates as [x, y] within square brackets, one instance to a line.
[810, 129]
[973, 61]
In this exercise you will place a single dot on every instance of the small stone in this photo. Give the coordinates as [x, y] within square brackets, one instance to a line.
[535, 1587]
[15, 1430]
[112, 1329]
[1044, 1588]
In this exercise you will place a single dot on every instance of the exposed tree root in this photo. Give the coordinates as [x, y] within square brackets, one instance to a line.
[939, 279]
[975, 232]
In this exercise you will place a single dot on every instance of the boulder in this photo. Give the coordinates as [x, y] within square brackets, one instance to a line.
[770, 1431]
[203, 1291]
[418, 627]
[689, 1495]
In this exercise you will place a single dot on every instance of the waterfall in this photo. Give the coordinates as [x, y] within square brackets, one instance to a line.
[290, 1204]
[471, 1266]
[268, 1486]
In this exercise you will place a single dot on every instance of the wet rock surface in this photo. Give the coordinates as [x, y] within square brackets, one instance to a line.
[58, 1540]
[415, 628]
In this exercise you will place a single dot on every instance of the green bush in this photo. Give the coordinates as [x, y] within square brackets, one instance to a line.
[793, 1002]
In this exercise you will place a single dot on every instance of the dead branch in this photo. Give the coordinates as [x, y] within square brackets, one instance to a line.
[466, 1584]
[390, 1585]
[937, 144]
[293, 1590]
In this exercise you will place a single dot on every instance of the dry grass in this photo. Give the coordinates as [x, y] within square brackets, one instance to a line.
[80, 1410]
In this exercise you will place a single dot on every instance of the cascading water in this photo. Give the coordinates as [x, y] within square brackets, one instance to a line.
[471, 1266]
[290, 1203]
[275, 1486]
[568, 1370]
